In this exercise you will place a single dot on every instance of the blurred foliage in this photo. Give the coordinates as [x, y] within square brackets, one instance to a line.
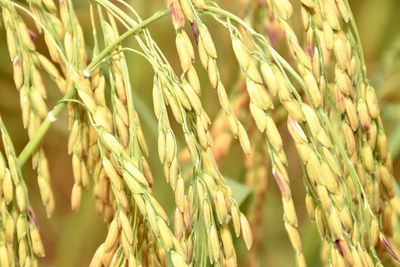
[71, 239]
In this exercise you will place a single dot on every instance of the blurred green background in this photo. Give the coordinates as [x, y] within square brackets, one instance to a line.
[71, 239]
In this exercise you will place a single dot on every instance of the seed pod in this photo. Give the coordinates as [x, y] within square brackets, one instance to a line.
[183, 99]
[273, 134]
[193, 79]
[76, 197]
[26, 108]
[180, 194]
[207, 213]
[176, 13]
[11, 43]
[18, 73]
[332, 14]
[294, 109]
[372, 102]
[335, 225]
[157, 102]
[23, 33]
[122, 131]
[223, 98]
[312, 86]
[343, 10]
[37, 244]
[297, 133]
[363, 115]
[112, 235]
[161, 146]
[38, 103]
[374, 232]
[233, 124]
[45, 191]
[85, 175]
[387, 219]
[283, 8]
[259, 117]
[192, 97]
[253, 73]
[235, 213]
[290, 212]
[323, 195]
[258, 95]
[178, 224]
[170, 146]
[185, 50]
[349, 138]
[310, 207]
[9, 229]
[221, 207]
[244, 139]
[112, 143]
[282, 179]
[293, 236]
[201, 134]
[207, 41]
[212, 71]
[203, 55]
[135, 172]
[187, 10]
[339, 48]
[112, 173]
[312, 119]
[20, 195]
[165, 234]
[383, 146]
[330, 160]
[76, 169]
[68, 44]
[329, 179]
[346, 219]
[227, 242]
[304, 151]
[268, 74]
[241, 53]
[351, 114]
[328, 35]
[121, 111]
[21, 226]
[386, 180]
[313, 168]
[73, 136]
[343, 81]
[214, 243]
[125, 226]
[4, 255]
[8, 187]
[246, 231]
[151, 218]
[368, 158]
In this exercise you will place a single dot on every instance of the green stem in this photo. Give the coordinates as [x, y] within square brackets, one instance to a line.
[59, 107]
[125, 35]
[44, 127]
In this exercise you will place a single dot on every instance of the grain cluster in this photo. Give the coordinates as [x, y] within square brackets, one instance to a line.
[330, 106]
